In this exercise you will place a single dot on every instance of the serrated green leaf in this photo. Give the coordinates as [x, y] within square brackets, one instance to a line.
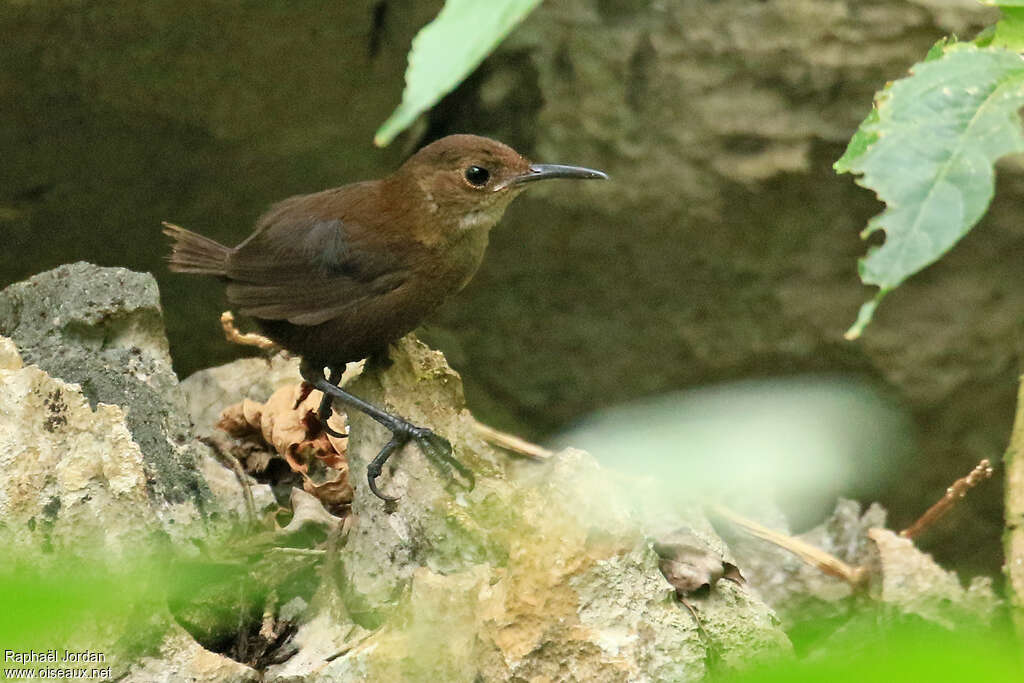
[939, 48]
[447, 50]
[934, 139]
[859, 143]
[985, 36]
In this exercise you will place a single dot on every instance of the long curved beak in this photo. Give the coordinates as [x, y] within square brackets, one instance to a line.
[549, 171]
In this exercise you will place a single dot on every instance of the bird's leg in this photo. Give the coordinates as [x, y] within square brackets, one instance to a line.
[325, 410]
[435, 447]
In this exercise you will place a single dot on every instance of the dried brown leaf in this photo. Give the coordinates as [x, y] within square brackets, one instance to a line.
[283, 422]
[334, 495]
[241, 419]
[288, 423]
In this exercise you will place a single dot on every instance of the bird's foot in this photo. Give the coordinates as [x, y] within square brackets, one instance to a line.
[326, 408]
[437, 449]
[324, 412]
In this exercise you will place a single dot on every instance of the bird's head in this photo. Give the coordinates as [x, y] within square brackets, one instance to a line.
[468, 181]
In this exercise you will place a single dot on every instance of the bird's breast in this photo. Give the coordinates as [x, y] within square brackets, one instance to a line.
[465, 253]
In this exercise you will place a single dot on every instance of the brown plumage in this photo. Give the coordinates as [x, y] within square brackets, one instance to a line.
[337, 275]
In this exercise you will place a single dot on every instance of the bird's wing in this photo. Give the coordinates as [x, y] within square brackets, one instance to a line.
[308, 271]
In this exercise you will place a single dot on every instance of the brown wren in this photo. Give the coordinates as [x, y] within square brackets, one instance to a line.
[337, 275]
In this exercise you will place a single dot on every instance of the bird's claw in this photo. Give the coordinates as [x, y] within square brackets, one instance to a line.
[437, 449]
[323, 413]
[371, 478]
[332, 431]
[373, 470]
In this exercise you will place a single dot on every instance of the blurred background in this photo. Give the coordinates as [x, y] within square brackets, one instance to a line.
[723, 251]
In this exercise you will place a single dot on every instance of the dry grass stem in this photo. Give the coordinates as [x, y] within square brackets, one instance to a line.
[816, 557]
[982, 471]
[511, 442]
[223, 450]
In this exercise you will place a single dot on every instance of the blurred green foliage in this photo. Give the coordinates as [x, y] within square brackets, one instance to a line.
[76, 604]
[908, 652]
[123, 612]
[1009, 31]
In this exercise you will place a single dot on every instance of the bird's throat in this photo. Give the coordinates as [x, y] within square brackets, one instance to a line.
[481, 219]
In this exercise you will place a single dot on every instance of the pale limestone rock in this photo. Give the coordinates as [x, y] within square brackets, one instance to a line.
[210, 391]
[326, 637]
[308, 510]
[73, 477]
[10, 359]
[181, 658]
[911, 581]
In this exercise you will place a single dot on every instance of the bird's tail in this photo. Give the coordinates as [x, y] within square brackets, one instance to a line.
[192, 253]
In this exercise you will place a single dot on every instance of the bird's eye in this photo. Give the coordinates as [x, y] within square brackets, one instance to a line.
[477, 176]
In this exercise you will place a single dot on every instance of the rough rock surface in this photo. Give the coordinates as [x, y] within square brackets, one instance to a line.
[181, 658]
[101, 474]
[913, 583]
[900, 579]
[73, 478]
[209, 391]
[535, 572]
[102, 328]
[538, 571]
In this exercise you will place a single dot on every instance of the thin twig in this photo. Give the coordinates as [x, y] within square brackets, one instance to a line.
[982, 471]
[708, 643]
[511, 442]
[235, 336]
[313, 552]
[827, 563]
[345, 650]
[222, 448]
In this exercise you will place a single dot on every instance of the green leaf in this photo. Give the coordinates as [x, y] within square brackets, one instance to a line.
[859, 143]
[928, 151]
[1009, 32]
[447, 50]
[937, 50]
